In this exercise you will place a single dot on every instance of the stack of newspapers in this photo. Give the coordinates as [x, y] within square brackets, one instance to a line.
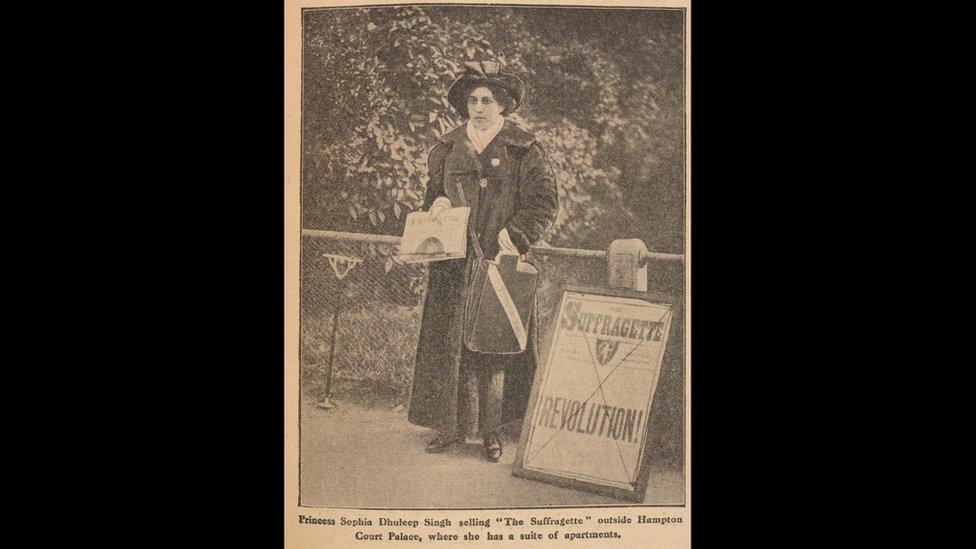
[429, 239]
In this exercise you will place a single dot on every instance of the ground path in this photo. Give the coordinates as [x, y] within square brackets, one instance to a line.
[357, 456]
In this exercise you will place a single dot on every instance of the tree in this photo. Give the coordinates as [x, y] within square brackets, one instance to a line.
[604, 98]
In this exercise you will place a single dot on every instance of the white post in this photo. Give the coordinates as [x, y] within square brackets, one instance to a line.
[624, 266]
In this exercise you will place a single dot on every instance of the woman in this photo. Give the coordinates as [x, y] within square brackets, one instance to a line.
[509, 185]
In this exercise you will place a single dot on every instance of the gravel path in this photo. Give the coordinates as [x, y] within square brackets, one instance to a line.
[359, 457]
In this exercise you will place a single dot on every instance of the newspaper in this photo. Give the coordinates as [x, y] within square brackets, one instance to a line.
[428, 239]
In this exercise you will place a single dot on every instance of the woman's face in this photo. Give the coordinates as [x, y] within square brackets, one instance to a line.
[483, 110]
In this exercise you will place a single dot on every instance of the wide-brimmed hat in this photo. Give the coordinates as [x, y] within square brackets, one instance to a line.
[484, 73]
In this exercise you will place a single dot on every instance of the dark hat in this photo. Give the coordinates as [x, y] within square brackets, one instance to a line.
[483, 73]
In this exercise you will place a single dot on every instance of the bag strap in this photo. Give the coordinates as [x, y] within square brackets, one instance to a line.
[464, 203]
[474, 238]
[508, 305]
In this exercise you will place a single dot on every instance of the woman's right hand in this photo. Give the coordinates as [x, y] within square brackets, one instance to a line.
[442, 203]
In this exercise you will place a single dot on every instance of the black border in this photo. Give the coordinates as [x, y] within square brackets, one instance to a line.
[761, 225]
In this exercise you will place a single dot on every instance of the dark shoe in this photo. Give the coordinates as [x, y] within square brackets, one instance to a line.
[441, 443]
[493, 447]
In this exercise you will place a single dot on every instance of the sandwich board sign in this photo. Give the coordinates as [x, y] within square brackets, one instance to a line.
[586, 422]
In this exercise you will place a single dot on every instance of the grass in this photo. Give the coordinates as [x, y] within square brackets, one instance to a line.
[375, 348]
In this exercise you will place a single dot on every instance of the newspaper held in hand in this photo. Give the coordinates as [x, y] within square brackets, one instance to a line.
[427, 239]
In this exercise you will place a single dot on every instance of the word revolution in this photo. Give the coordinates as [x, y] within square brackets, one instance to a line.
[609, 421]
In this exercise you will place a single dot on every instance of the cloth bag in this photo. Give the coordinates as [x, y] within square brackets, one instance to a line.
[498, 301]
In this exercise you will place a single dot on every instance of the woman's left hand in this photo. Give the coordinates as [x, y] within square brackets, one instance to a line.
[505, 245]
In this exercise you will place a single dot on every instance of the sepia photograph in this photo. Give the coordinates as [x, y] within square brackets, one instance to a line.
[491, 279]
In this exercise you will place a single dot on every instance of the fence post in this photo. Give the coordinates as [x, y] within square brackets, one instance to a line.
[341, 265]
[624, 268]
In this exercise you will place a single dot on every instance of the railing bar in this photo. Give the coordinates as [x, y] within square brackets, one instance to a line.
[541, 250]
[354, 237]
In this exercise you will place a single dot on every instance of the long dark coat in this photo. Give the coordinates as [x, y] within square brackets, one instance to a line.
[521, 196]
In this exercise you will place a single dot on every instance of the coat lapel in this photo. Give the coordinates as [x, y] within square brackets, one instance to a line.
[465, 156]
[510, 134]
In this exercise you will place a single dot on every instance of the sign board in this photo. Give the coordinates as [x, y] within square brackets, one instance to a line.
[426, 239]
[587, 418]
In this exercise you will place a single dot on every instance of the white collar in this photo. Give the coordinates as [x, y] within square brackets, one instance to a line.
[481, 139]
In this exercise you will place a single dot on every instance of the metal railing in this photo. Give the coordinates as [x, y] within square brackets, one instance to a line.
[539, 250]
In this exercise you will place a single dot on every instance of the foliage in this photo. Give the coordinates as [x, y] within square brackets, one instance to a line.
[603, 96]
